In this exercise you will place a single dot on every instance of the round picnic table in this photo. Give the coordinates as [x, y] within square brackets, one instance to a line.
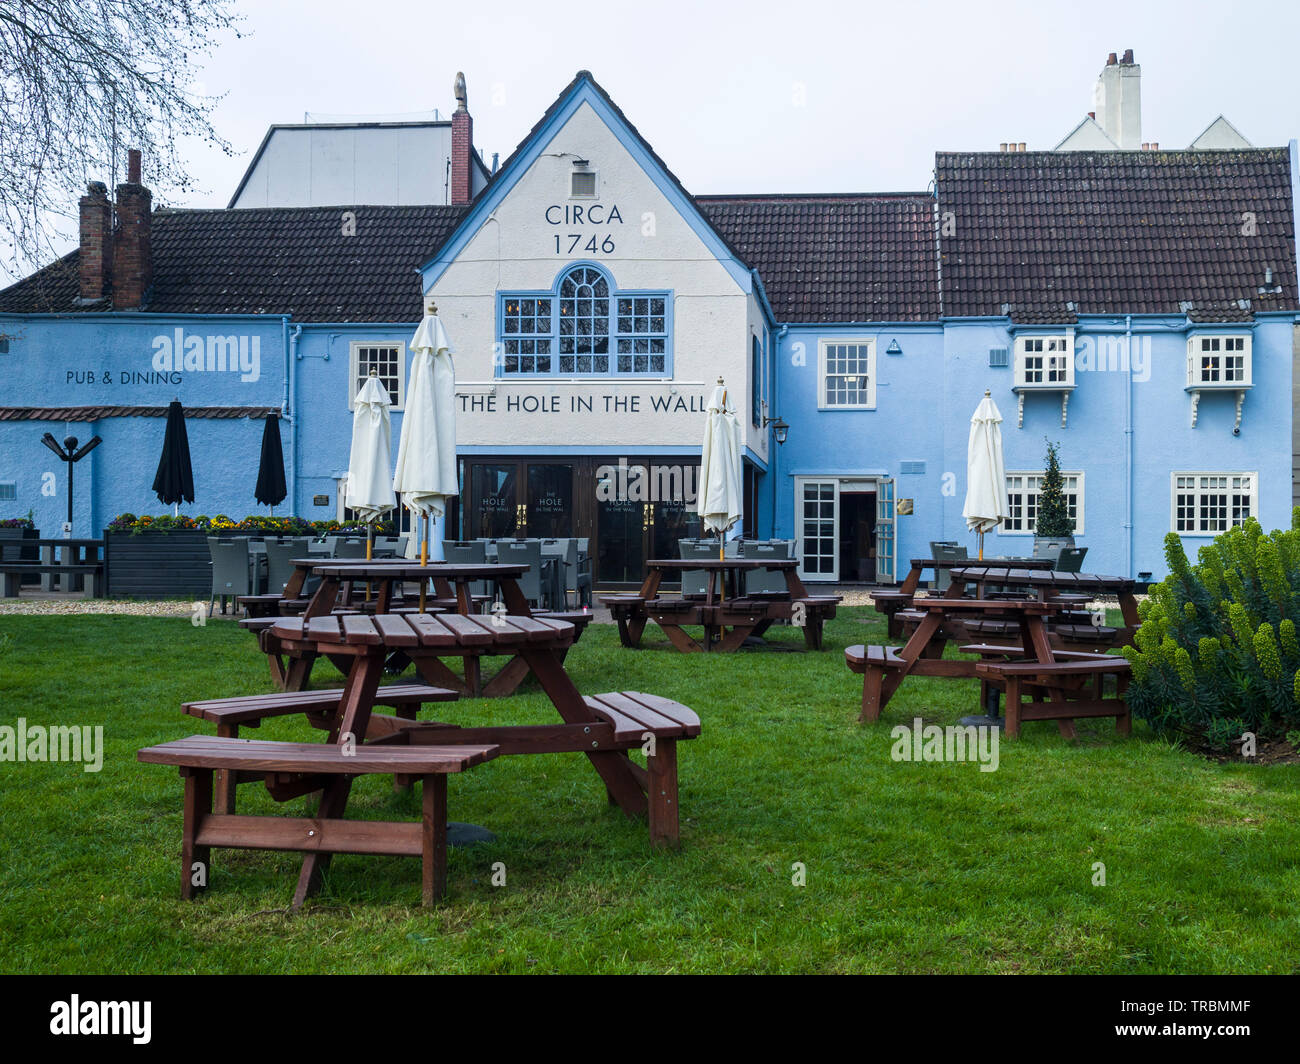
[602, 727]
[728, 618]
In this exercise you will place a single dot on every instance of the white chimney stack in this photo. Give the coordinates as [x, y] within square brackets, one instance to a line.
[1118, 100]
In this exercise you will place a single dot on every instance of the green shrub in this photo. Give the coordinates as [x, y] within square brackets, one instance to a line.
[1217, 653]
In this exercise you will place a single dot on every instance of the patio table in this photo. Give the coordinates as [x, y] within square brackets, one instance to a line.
[727, 620]
[1068, 590]
[885, 668]
[603, 727]
[890, 601]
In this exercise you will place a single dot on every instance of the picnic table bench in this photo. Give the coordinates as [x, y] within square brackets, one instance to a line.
[337, 594]
[890, 601]
[199, 756]
[1060, 685]
[248, 711]
[883, 668]
[1070, 629]
[727, 620]
[605, 728]
[1063, 691]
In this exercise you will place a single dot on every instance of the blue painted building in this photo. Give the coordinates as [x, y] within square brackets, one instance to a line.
[1137, 307]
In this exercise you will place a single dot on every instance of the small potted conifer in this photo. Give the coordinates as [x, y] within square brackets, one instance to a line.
[1053, 527]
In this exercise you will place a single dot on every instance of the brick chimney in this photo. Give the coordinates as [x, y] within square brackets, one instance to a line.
[132, 250]
[462, 147]
[95, 263]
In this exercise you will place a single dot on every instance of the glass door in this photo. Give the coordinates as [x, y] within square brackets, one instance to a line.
[885, 523]
[494, 507]
[643, 508]
[548, 505]
[817, 526]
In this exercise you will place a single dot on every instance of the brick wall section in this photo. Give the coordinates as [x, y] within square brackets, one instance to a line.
[462, 151]
[133, 248]
[95, 262]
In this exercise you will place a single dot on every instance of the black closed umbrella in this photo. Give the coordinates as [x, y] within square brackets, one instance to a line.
[271, 489]
[174, 481]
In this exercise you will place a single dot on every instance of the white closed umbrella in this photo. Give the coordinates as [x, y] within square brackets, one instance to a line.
[370, 487]
[720, 496]
[426, 454]
[986, 473]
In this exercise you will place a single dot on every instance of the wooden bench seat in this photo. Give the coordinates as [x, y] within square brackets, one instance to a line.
[888, 603]
[1061, 691]
[653, 725]
[248, 711]
[1086, 633]
[199, 756]
[12, 573]
[859, 657]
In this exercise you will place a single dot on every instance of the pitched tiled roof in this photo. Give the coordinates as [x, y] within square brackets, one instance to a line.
[98, 413]
[271, 260]
[836, 258]
[1123, 232]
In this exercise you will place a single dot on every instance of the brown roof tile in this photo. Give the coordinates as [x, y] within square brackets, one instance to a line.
[1116, 232]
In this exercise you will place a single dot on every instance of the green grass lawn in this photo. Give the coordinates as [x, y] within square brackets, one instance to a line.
[909, 867]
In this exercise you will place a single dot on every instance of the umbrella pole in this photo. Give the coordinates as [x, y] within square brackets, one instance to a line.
[424, 556]
[980, 537]
[370, 550]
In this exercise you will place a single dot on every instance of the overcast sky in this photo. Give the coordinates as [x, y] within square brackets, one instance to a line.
[795, 96]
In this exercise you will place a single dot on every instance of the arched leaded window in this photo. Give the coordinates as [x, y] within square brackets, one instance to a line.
[585, 326]
[584, 321]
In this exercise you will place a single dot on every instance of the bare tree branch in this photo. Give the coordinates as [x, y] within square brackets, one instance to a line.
[80, 82]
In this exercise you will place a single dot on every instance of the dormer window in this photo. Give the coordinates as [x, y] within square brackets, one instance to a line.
[1218, 362]
[1044, 363]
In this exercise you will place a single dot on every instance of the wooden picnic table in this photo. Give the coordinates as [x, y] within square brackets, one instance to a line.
[603, 727]
[1060, 685]
[340, 581]
[1069, 629]
[885, 668]
[891, 600]
[728, 619]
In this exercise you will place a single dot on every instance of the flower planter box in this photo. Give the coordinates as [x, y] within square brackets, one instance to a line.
[12, 551]
[157, 564]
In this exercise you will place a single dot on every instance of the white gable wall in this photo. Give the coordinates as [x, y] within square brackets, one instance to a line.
[652, 247]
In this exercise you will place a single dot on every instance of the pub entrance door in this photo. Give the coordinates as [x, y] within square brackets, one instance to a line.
[510, 498]
[629, 509]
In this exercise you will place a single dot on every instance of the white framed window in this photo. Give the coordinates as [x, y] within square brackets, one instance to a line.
[389, 360]
[848, 374]
[582, 184]
[1205, 504]
[1022, 501]
[1218, 361]
[1045, 361]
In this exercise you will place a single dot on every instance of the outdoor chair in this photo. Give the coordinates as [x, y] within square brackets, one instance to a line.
[231, 570]
[765, 581]
[1071, 560]
[525, 552]
[468, 552]
[1049, 549]
[349, 548]
[945, 552]
[573, 578]
[279, 561]
[584, 565]
[695, 582]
